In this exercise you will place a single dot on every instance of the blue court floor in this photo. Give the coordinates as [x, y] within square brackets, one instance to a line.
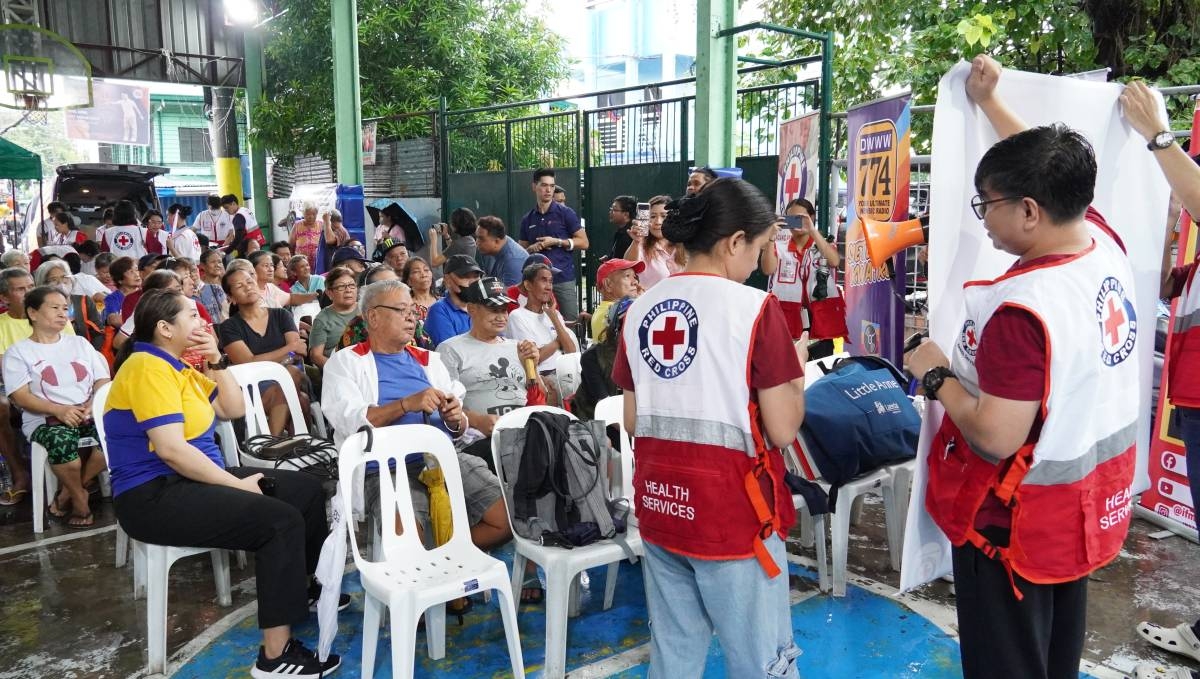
[861, 635]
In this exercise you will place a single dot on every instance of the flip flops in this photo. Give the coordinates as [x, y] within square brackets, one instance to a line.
[531, 585]
[1178, 639]
[76, 521]
[12, 496]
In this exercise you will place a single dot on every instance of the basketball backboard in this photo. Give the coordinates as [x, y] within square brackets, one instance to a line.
[42, 70]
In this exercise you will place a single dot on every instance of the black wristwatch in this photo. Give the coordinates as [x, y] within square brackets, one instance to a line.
[932, 381]
[1160, 141]
[219, 365]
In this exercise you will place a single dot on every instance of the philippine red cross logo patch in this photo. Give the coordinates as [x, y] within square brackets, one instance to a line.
[968, 340]
[123, 241]
[1117, 321]
[667, 337]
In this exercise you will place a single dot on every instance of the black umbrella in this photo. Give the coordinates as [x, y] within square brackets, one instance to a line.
[399, 216]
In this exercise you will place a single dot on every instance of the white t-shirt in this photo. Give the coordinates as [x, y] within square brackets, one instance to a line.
[186, 243]
[523, 324]
[64, 372]
[275, 298]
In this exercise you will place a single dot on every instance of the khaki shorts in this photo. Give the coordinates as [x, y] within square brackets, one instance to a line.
[481, 490]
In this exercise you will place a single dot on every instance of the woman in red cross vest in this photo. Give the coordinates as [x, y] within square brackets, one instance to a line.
[1141, 109]
[802, 266]
[713, 385]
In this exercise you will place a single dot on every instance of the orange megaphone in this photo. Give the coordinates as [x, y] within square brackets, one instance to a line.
[884, 239]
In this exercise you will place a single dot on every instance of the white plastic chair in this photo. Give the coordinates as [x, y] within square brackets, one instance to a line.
[155, 563]
[412, 579]
[562, 566]
[248, 377]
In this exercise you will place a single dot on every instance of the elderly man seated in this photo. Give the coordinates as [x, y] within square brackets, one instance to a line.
[384, 381]
[488, 364]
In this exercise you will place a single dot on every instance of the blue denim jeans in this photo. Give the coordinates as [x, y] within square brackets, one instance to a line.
[689, 599]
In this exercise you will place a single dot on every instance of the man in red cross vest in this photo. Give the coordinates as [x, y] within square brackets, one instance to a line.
[1030, 471]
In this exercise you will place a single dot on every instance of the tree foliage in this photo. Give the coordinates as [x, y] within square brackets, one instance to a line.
[883, 45]
[473, 52]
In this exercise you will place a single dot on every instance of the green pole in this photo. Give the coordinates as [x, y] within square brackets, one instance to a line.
[443, 142]
[716, 65]
[824, 149]
[347, 107]
[258, 157]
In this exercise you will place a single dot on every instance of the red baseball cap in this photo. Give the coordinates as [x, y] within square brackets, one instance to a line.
[611, 265]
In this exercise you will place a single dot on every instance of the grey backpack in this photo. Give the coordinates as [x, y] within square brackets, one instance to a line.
[555, 477]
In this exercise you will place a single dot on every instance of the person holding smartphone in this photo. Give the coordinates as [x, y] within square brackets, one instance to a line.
[800, 264]
[661, 257]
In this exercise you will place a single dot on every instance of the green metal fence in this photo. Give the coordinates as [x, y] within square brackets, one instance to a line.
[641, 149]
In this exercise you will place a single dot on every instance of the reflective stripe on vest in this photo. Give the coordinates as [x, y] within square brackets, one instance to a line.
[703, 472]
[1070, 491]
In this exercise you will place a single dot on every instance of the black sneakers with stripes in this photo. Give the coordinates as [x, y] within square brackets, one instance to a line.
[296, 662]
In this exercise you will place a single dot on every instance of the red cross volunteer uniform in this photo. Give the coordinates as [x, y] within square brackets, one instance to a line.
[796, 282]
[706, 484]
[1185, 339]
[1069, 490]
[125, 241]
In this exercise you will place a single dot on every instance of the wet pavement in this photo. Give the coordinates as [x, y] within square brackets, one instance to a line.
[67, 612]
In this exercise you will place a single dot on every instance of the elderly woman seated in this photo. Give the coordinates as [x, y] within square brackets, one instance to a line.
[384, 380]
[52, 377]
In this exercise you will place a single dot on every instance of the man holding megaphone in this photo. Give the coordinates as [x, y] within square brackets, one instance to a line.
[801, 265]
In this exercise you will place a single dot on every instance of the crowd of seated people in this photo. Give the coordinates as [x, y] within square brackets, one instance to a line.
[398, 338]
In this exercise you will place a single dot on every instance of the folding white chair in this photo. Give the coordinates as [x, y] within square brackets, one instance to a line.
[411, 580]
[812, 526]
[156, 561]
[562, 566]
[249, 377]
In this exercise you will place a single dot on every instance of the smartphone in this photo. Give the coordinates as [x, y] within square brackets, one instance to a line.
[643, 212]
[794, 221]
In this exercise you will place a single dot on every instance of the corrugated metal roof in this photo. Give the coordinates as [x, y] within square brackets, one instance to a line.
[127, 39]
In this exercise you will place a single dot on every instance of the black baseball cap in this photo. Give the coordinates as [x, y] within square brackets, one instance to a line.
[487, 291]
[147, 260]
[461, 265]
[385, 246]
[346, 254]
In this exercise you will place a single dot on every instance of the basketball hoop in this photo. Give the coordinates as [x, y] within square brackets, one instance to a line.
[35, 108]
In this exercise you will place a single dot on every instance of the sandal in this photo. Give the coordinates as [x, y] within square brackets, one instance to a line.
[532, 592]
[81, 520]
[1149, 670]
[12, 497]
[1178, 639]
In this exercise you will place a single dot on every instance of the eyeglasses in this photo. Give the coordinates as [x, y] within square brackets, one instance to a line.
[979, 206]
[402, 310]
[344, 287]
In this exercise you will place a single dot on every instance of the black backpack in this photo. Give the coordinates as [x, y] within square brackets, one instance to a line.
[555, 475]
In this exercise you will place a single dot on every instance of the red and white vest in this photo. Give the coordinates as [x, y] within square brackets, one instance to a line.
[126, 241]
[1070, 491]
[1183, 386]
[706, 485]
[795, 281]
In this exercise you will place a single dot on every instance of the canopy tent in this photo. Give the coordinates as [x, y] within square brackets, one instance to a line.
[20, 164]
[17, 163]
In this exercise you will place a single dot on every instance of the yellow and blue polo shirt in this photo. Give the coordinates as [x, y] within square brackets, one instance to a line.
[151, 389]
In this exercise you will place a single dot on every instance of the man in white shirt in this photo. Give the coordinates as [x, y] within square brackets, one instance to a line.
[539, 320]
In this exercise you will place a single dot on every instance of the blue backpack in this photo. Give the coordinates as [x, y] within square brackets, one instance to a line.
[859, 418]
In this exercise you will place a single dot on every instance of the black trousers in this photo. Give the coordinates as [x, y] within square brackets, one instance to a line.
[285, 532]
[1039, 637]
